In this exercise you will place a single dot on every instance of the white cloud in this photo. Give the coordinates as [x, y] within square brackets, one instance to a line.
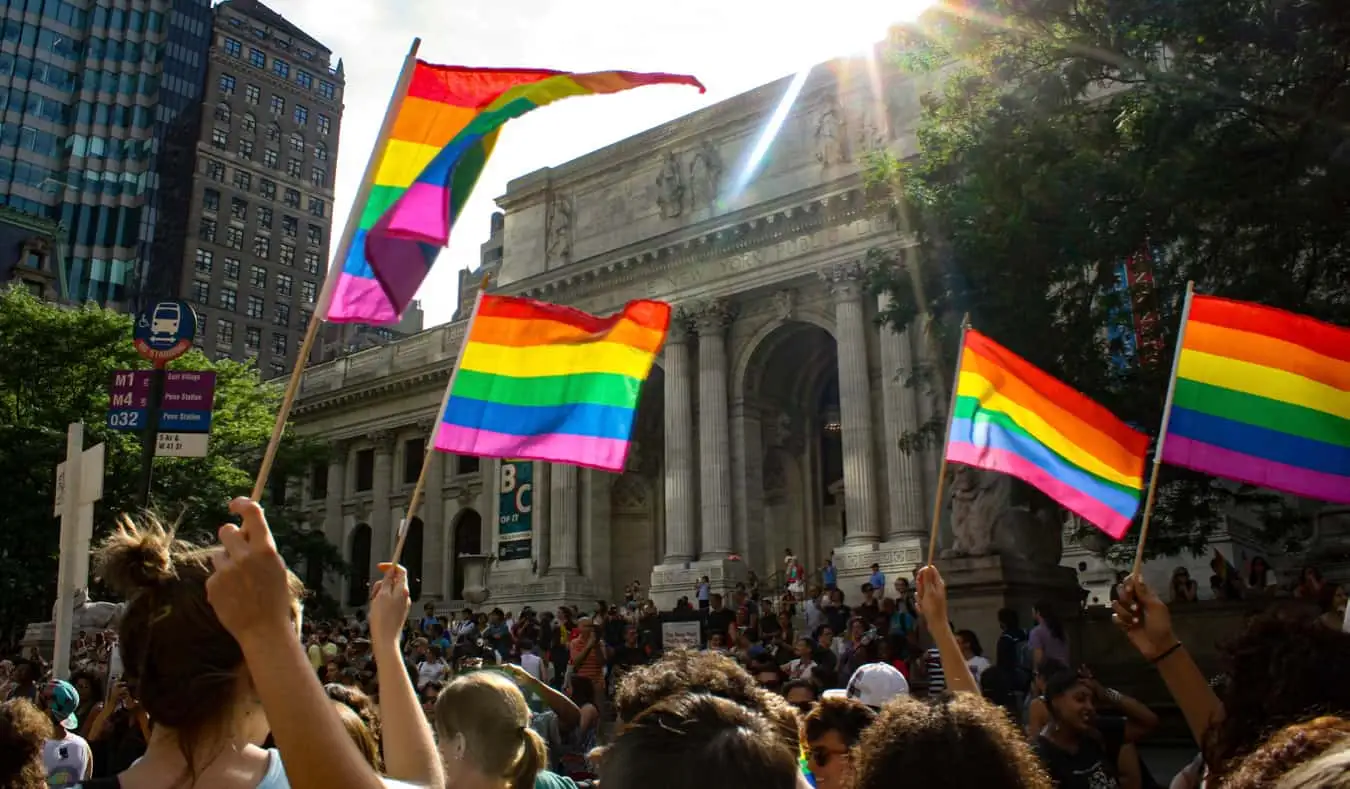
[731, 46]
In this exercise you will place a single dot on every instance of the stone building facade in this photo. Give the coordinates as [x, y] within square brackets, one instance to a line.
[772, 420]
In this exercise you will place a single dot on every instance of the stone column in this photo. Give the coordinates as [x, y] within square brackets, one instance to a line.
[543, 519]
[900, 407]
[680, 493]
[337, 493]
[432, 513]
[855, 401]
[563, 526]
[711, 320]
[381, 530]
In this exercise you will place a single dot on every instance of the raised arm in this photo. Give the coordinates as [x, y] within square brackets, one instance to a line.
[409, 748]
[932, 598]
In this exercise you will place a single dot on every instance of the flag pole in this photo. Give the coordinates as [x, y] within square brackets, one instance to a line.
[1162, 434]
[946, 438]
[416, 499]
[335, 268]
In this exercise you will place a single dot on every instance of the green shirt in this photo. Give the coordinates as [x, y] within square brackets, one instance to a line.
[548, 780]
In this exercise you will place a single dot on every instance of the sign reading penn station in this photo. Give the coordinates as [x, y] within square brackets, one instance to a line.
[515, 521]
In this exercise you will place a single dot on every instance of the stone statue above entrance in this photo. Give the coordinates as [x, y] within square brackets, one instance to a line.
[670, 187]
[560, 231]
[705, 176]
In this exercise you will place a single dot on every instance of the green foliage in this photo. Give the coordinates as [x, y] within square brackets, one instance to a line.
[1057, 139]
[56, 366]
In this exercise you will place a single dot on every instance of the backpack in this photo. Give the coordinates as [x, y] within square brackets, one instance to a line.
[1023, 669]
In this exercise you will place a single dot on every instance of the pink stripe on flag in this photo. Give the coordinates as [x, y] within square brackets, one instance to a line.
[359, 299]
[1071, 498]
[1220, 462]
[605, 454]
[422, 213]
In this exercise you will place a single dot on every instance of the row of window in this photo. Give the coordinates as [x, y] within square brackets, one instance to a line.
[248, 125]
[233, 238]
[144, 83]
[258, 59]
[276, 104]
[290, 226]
[252, 337]
[228, 297]
[261, 35]
[204, 262]
[66, 13]
[243, 181]
[15, 32]
[318, 176]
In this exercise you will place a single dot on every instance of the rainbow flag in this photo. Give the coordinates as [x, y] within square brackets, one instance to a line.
[805, 767]
[538, 381]
[1262, 396]
[1008, 416]
[444, 130]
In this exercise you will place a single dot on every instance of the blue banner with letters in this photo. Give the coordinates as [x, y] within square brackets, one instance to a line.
[515, 510]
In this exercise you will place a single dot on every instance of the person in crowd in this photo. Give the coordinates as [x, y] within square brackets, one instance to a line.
[874, 685]
[582, 734]
[433, 667]
[830, 732]
[90, 688]
[1048, 638]
[800, 666]
[877, 579]
[363, 706]
[1183, 587]
[1079, 749]
[1035, 715]
[587, 660]
[1288, 750]
[65, 754]
[360, 735]
[703, 593]
[119, 732]
[627, 655]
[23, 731]
[829, 575]
[1311, 585]
[973, 652]
[25, 676]
[1260, 577]
[1333, 610]
[802, 694]
[693, 740]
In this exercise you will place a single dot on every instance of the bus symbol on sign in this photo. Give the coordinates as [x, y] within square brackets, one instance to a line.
[164, 332]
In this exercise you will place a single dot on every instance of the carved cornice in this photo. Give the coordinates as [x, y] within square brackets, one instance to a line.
[708, 318]
[844, 279]
[383, 440]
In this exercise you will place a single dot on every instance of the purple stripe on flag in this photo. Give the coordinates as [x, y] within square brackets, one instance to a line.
[422, 213]
[605, 454]
[1210, 459]
[357, 299]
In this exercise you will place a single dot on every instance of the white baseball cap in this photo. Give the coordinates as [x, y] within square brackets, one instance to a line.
[873, 684]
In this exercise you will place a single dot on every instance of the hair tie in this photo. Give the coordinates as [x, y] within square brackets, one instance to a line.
[520, 730]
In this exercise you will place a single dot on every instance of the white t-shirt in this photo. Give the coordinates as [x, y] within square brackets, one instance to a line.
[533, 665]
[430, 671]
[977, 665]
[67, 760]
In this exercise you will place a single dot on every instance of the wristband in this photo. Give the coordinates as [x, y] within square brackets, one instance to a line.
[1166, 653]
[1112, 695]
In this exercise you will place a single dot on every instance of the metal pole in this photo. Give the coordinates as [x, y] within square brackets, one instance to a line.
[150, 439]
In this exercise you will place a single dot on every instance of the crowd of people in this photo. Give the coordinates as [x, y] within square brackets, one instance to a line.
[226, 685]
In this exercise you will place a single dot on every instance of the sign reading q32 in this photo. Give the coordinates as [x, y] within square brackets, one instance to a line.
[164, 332]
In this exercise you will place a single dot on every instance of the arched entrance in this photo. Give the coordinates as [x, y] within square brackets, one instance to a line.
[412, 558]
[635, 497]
[468, 539]
[792, 386]
[358, 556]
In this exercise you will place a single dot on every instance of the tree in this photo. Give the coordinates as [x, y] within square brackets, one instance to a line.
[1060, 138]
[56, 365]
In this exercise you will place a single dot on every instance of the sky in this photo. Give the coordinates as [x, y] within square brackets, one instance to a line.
[732, 46]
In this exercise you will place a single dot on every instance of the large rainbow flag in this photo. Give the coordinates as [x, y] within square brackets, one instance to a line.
[442, 134]
[1010, 417]
[1262, 396]
[538, 381]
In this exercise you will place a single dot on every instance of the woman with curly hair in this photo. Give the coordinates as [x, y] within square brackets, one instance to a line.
[1289, 749]
[23, 730]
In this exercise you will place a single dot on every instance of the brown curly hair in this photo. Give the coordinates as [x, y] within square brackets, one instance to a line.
[23, 729]
[358, 702]
[686, 671]
[957, 741]
[1292, 747]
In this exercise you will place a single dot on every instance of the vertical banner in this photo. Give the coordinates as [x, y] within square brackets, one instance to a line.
[515, 510]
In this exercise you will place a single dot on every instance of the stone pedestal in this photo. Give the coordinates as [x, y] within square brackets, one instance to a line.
[977, 587]
[896, 558]
[670, 582]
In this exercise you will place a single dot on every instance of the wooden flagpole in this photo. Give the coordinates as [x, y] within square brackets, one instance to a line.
[416, 499]
[1162, 434]
[335, 268]
[946, 438]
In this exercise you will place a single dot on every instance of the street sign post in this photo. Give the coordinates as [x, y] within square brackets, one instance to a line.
[162, 333]
[185, 408]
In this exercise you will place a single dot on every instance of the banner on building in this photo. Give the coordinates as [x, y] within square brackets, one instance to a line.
[515, 510]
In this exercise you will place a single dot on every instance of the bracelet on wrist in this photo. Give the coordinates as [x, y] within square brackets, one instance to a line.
[1112, 695]
[1166, 653]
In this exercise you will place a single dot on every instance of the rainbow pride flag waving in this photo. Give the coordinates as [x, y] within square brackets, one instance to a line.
[1009, 416]
[537, 381]
[444, 126]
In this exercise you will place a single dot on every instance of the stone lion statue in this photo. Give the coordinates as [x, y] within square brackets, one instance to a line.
[91, 614]
[986, 522]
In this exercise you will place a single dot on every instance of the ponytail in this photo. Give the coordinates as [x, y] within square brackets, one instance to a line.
[532, 760]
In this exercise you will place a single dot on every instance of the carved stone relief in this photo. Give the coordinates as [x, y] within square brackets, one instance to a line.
[709, 317]
[629, 495]
[705, 176]
[785, 304]
[670, 186]
[844, 279]
[560, 231]
[383, 441]
[986, 520]
[832, 136]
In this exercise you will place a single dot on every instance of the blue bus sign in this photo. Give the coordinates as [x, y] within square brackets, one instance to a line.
[165, 331]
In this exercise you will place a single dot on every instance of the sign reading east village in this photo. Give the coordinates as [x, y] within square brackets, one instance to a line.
[189, 396]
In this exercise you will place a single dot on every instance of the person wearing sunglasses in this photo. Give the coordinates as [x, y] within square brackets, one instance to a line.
[830, 731]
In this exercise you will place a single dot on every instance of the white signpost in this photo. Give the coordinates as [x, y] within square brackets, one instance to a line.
[79, 483]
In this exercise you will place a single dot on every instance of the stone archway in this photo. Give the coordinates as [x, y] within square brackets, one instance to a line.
[467, 538]
[413, 559]
[358, 556]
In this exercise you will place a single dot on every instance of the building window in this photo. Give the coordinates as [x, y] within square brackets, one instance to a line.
[264, 217]
[219, 138]
[227, 299]
[311, 261]
[281, 68]
[284, 285]
[222, 112]
[252, 94]
[262, 246]
[320, 152]
[243, 180]
[414, 452]
[234, 238]
[206, 229]
[226, 84]
[248, 124]
[211, 200]
[255, 307]
[257, 277]
[252, 338]
[293, 168]
[273, 132]
[269, 158]
[315, 236]
[323, 124]
[319, 177]
[215, 170]
[256, 57]
[278, 344]
[278, 105]
[289, 226]
[267, 188]
[281, 314]
[246, 150]
[308, 291]
[286, 255]
[204, 259]
[201, 292]
[304, 79]
[291, 198]
[233, 48]
[224, 332]
[365, 470]
[297, 143]
[301, 115]
[232, 269]
[316, 206]
[238, 209]
[327, 89]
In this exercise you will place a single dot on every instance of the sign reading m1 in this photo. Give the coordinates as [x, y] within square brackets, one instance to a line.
[189, 396]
